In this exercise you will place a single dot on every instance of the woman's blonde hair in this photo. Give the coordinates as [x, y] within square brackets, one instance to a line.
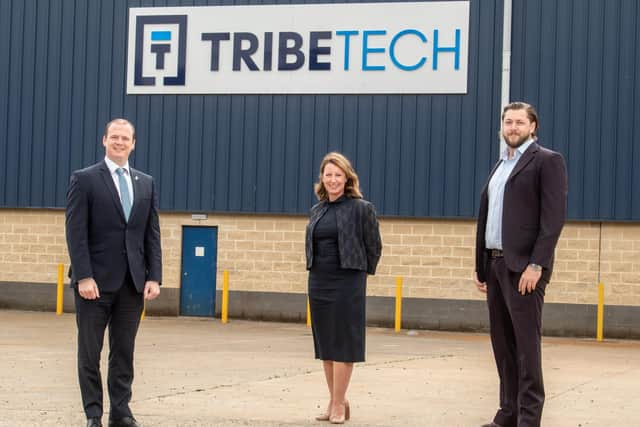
[351, 187]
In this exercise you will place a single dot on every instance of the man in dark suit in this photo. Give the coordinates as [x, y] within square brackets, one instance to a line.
[113, 237]
[522, 212]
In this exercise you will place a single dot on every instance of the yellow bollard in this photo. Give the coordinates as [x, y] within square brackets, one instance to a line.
[308, 313]
[60, 290]
[398, 303]
[225, 297]
[600, 326]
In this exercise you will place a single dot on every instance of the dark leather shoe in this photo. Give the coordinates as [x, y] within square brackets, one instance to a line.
[94, 422]
[124, 422]
[491, 425]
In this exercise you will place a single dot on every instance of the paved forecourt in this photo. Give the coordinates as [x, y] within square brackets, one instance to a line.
[198, 372]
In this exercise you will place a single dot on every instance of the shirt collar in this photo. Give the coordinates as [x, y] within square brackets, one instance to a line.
[519, 151]
[113, 166]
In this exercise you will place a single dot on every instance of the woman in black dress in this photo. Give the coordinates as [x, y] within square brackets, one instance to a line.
[343, 245]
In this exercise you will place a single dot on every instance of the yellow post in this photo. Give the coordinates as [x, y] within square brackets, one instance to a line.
[60, 290]
[600, 326]
[398, 303]
[225, 297]
[308, 313]
[144, 310]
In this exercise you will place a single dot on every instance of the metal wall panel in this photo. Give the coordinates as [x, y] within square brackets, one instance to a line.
[62, 77]
[578, 62]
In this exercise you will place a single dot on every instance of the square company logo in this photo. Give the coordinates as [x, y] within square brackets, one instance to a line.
[160, 50]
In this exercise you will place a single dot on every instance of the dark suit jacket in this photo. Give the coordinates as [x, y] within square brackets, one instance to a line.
[534, 211]
[359, 242]
[101, 243]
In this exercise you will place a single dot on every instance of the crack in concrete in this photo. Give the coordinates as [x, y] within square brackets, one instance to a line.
[592, 380]
[285, 376]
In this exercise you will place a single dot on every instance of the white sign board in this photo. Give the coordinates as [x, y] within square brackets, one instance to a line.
[310, 48]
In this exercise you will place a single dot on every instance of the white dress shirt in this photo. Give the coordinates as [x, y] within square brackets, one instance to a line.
[114, 175]
[493, 232]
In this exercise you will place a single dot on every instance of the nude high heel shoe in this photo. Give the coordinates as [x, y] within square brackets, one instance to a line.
[324, 416]
[343, 418]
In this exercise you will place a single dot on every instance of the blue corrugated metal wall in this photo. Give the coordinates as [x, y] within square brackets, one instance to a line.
[62, 76]
[578, 61]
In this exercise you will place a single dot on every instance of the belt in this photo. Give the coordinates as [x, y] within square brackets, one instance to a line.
[495, 253]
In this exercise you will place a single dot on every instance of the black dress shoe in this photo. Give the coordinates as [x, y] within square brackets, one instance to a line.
[94, 422]
[124, 422]
[491, 425]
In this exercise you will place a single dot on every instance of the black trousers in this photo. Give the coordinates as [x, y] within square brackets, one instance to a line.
[121, 311]
[516, 330]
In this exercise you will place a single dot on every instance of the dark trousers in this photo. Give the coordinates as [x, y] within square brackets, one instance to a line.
[516, 330]
[121, 311]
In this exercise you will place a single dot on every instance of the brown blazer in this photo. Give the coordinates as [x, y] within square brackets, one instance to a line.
[535, 208]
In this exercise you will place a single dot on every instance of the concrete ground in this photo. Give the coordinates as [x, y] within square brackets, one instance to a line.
[198, 372]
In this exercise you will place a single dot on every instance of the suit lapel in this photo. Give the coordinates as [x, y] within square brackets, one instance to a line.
[137, 190]
[486, 184]
[527, 156]
[108, 181]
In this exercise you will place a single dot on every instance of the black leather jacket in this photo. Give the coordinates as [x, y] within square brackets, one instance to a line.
[359, 242]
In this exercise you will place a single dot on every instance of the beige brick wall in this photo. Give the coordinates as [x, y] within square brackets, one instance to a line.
[266, 253]
[620, 271]
[260, 252]
[32, 243]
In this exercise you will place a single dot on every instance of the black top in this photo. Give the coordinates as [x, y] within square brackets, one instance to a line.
[325, 238]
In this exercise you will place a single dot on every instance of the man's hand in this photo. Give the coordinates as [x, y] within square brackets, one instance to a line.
[529, 280]
[88, 288]
[482, 286]
[151, 290]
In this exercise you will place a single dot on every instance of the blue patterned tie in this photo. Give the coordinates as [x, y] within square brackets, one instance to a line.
[125, 197]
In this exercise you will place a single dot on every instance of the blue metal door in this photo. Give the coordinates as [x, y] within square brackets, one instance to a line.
[199, 255]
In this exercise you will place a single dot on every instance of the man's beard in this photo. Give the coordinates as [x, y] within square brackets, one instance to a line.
[517, 143]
